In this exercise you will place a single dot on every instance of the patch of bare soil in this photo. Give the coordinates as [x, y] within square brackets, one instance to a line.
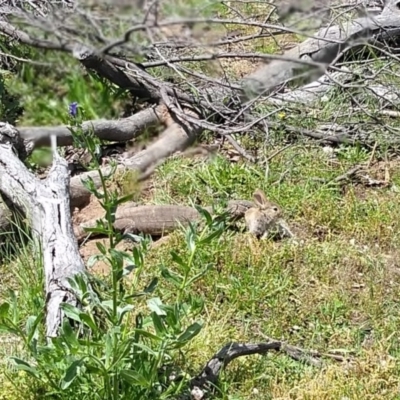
[392, 262]
[376, 176]
[381, 170]
[91, 211]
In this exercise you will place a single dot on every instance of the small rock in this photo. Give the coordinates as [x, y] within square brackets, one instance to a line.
[328, 150]
[197, 393]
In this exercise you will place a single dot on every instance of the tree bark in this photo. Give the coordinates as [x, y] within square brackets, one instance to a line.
[46, 206]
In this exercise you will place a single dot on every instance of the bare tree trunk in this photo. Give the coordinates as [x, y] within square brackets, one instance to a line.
[46, 205]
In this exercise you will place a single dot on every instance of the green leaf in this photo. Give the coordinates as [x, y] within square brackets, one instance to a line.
[125, 198]
[134, 378]
[89, 184]
[204, 213]
[134, 238]
[31, 326]
[148, 289]
[146, 349]
[155, 304]
[172, 277]
[93, 259]
[174, 315]
[123, 310]
[71, 311]
[107, 305]
[191, 240]
[138, 256]
[177, 258]
[151, 286]
[147, 334]
[119, 255]
[198, 276]
[74, 283]
[69, 334]
[71, 374]
[210, 237]
[192, 331]
[99, 230]
[14, 306]
[195, 304]
[158, 324]
[128, 269]
[108, 349]
[100, 246]
[24, 366]
[92, 369]
[4, 308]
[88, 320]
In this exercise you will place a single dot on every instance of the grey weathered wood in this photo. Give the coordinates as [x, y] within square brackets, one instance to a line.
[311, 92]
[120, 130]
[174, 138]
[159, 219]
[46, 206]
[324, 49]
[204, 383]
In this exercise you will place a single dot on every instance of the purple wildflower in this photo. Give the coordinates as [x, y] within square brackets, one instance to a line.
[73, 109]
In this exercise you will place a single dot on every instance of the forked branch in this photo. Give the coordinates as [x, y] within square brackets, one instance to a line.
[209, 375]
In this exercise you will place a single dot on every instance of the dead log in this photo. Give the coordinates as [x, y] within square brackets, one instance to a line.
[158, 220]
[311, 92]
[327, 45]
[177, 137]
[120, 130]
[46, 206]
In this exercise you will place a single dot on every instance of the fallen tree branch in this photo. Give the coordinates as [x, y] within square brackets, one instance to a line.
[359, 32]
[46, 206]
[105, 68]
[311, 92]
[177, 137]
[120, 130]
[157, 220]
[208, 377]
[358, 174]
[323, 137]
[316, 51]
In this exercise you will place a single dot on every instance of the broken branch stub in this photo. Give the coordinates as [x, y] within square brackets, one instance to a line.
[46, 205]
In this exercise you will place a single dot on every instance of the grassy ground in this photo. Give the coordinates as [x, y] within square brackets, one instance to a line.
[335, 290]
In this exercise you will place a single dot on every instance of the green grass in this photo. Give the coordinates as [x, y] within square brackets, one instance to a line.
[46, 92]
[327, 292]
[321, 294]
